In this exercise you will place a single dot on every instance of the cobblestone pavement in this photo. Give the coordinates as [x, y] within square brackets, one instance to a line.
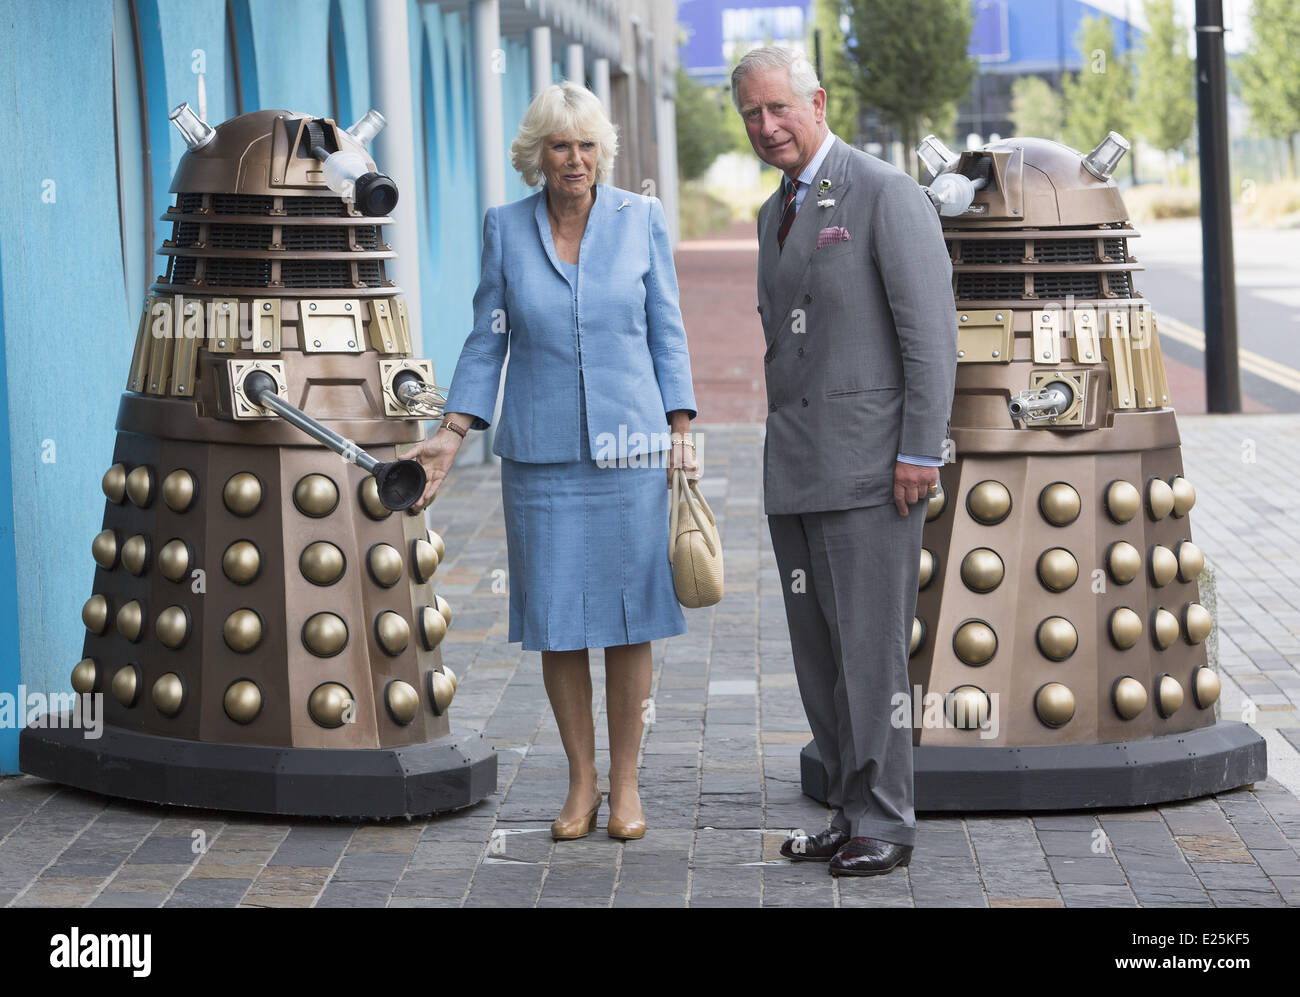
[720, 773]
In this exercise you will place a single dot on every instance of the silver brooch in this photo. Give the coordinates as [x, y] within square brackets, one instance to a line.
[826, 202]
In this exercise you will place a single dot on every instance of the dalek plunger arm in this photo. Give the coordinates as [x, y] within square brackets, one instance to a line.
[400, 482]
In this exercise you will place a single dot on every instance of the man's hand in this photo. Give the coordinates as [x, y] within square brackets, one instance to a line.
[912, 483]
[435, 455]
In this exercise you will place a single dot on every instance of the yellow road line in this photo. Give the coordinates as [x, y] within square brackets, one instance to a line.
[1256, 363]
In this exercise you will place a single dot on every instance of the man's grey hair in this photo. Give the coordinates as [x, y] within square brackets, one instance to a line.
[803, 78]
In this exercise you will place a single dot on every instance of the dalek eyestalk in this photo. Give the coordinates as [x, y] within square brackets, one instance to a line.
[400, 482]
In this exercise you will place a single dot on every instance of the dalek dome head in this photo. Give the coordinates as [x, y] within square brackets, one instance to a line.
[283, 153]
[1026, 183]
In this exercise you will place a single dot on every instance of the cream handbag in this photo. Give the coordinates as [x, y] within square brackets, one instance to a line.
[694, 547]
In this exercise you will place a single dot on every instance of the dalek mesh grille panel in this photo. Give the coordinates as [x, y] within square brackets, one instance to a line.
[1059, 642]
[263, 626]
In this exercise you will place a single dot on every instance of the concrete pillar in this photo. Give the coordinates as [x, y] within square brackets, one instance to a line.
[394, 148]
[600, 82]
[575, 65]
[489, 135]
[539, 58]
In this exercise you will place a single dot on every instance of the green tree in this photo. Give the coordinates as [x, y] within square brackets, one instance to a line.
[1165, 107]
[1099, 97]
[909, 61]
[1270, 72]
[702, 132]
[1036, 108]
[836, 78]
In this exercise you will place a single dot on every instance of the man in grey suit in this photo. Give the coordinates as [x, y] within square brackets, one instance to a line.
[855, 296]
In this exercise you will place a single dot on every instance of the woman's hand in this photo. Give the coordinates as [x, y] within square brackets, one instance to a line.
[683, 455]
[435, 455]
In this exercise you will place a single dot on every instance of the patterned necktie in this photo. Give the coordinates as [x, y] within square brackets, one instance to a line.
[787, 211]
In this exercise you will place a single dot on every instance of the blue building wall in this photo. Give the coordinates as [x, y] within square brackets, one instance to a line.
[74, 269]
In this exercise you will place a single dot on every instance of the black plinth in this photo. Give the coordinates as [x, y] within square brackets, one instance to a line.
[1075, 777]
[446, 774]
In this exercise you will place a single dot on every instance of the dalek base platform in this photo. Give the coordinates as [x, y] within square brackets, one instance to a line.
[1137, 773]
[448, 773]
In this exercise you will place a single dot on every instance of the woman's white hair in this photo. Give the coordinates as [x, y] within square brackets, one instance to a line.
[803, 78]
[563, 109]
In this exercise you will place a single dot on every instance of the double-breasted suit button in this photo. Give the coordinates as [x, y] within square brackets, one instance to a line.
[807, 299]
[805, 402]
[767, 360]
[800, 351]
[772, 407]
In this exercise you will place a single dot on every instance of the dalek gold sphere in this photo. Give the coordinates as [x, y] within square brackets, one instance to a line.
[1129, 697]
[935, 505]
[989, 502]
[1125, 627]
[441, 691]
[370, 504]
[1169, 696]
[1122, 500]
[1163, 565]
[1054, 704]
[1059, 503]
[130, 620]
[444, 607]
[385, 565]
[316, 495]
[1057, 569]
[135, 554]
[1197, 622]
[402, 700]
[84, 676]
[433, 627]
[1057, 638]
[139, 487]
[1164, 628]
[392, 632]
[1191, 561]
[242, 562]
[1123, 561]
[982, 569]
[439, 546]
[242, 493]
[178, 490]
[451, 677]
[975, 642]
[1205, 687]
[918, 636]
[330, 704]
[174, 559]
[242, 701]
[1160, 499]
[104, 549]
[322, 563]
[424, 560]
[926, 573]
[1184, 495]
[114, 484]
[94, 614]
[173, 626]
[242, 631]
[126, 685]
[967, 707]
[325, 634]
[169, 694]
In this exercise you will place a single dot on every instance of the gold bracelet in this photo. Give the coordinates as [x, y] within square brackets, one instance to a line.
[454, 428]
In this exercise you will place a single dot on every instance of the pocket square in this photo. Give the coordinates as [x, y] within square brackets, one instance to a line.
[831, 235]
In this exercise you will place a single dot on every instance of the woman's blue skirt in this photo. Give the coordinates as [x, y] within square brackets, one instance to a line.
[588, 553]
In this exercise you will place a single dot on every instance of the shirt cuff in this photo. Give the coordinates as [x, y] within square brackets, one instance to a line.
[908, 458]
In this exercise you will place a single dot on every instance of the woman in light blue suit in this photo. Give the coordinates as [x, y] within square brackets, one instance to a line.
[578, 283]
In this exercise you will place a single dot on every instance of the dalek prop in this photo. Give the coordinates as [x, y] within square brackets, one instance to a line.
[263, 627]
[1058, 653]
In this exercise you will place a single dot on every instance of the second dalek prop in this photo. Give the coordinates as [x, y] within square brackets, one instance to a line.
[263, 626]
[1058, 654]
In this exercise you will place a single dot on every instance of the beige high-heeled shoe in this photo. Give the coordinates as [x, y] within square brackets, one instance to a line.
[627, 830]
[570, 830]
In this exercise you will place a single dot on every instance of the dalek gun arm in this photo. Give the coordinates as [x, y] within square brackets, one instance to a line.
[418, 396]
[400, 482]
[1043, 403]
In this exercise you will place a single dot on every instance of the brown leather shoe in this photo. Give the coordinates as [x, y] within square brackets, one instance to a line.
[627, 830]
[814, 847]
[580, 827]
[869, 857]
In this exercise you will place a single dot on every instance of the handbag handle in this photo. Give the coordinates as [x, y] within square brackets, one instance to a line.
[682, 490]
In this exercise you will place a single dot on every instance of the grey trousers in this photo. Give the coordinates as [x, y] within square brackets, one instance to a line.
[849, 578]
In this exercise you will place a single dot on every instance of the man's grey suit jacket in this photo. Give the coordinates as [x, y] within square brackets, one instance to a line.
[861, 337]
